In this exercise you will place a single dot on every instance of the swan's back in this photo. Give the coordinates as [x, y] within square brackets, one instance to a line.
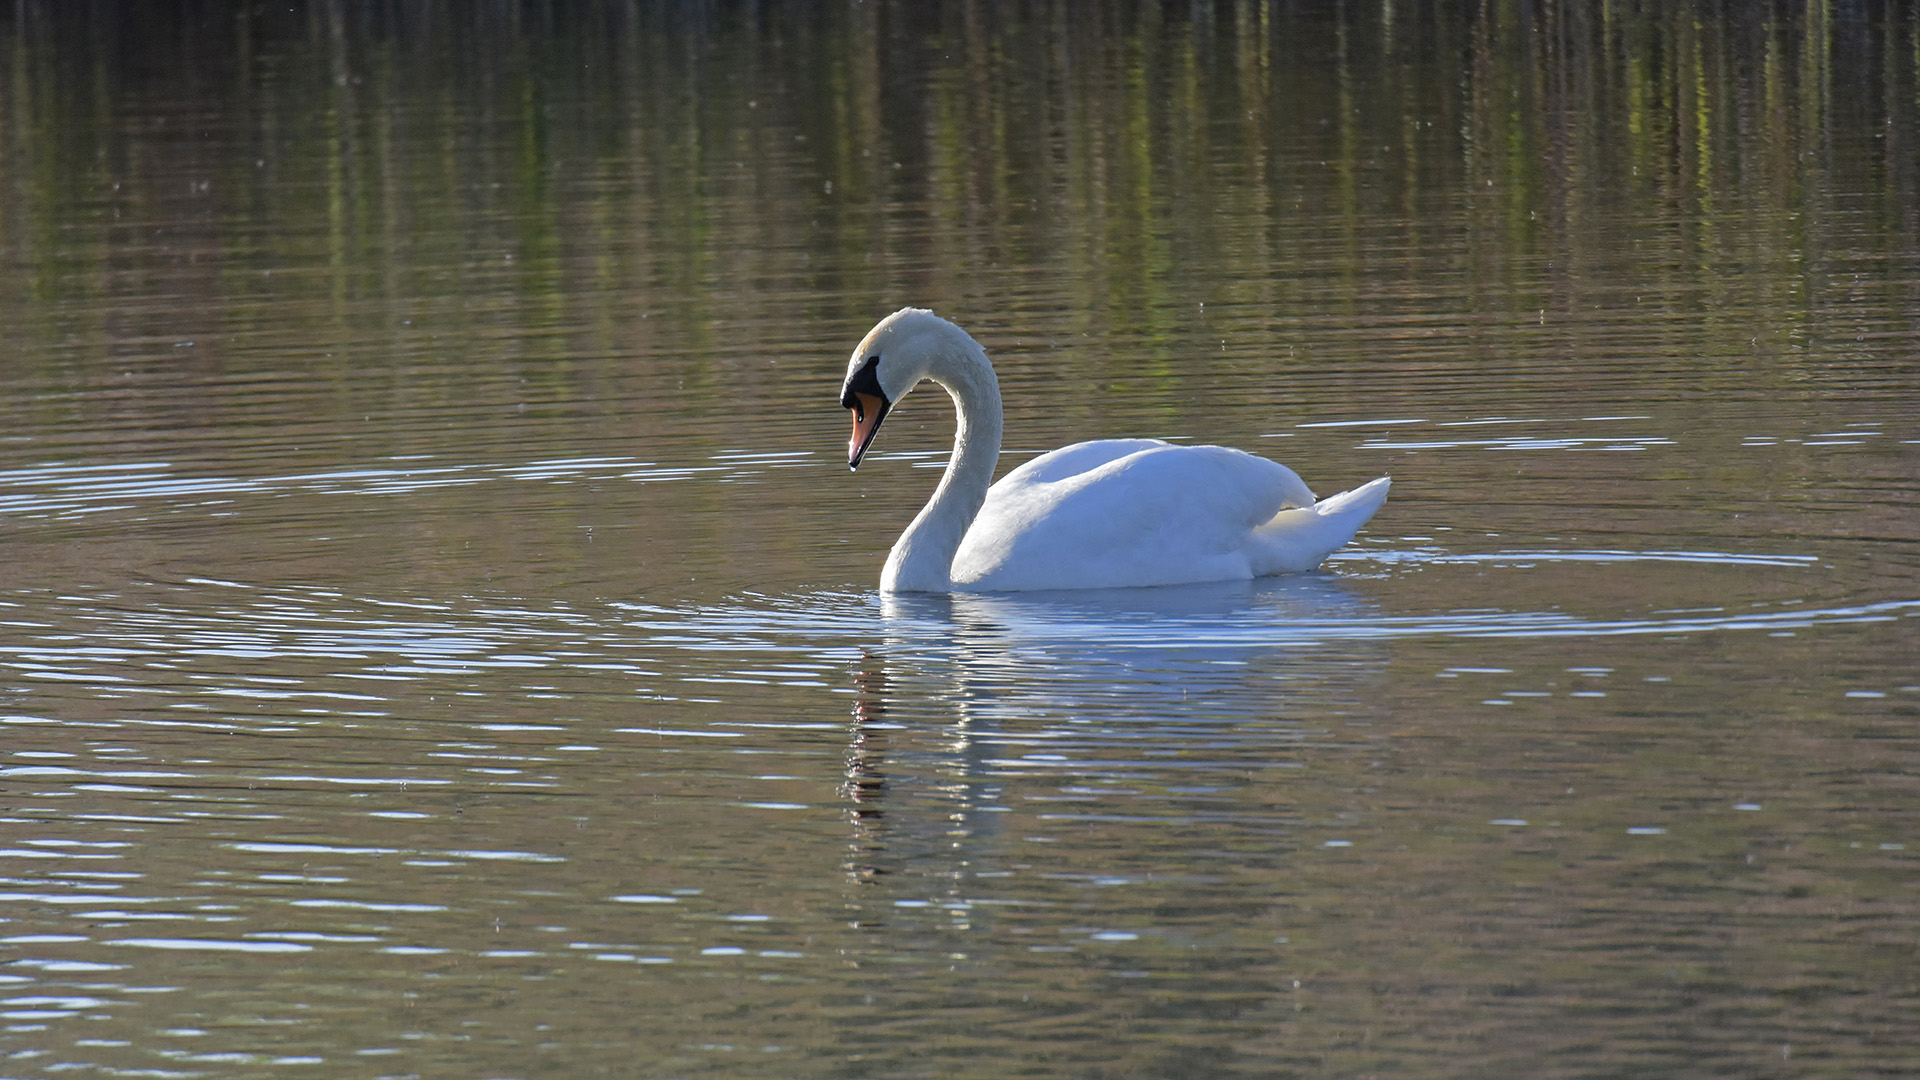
[1081, 457]
[1128, 512]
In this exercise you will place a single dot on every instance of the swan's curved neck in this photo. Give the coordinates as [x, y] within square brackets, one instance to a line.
[922, 559]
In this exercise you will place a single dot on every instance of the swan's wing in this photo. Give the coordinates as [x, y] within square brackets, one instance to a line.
[1144, 513]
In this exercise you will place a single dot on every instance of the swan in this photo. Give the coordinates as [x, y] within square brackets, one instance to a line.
[1111, 513]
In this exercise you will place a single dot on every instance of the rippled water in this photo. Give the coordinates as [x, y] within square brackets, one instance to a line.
[438, 633]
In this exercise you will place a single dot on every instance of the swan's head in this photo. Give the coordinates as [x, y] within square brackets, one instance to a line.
[905, 347]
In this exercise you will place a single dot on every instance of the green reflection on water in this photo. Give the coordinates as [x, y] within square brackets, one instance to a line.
[1121, 166]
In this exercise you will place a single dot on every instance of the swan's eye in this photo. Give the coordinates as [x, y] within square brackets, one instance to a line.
[864, 382]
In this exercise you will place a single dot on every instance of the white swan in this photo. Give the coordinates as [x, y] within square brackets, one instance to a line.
[1110, 513]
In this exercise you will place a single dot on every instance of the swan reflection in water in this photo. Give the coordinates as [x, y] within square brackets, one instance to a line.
[967, 696]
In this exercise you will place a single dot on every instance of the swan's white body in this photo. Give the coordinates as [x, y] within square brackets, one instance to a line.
[1110, 513]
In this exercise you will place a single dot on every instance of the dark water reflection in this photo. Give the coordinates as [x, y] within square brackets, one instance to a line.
[437, 632]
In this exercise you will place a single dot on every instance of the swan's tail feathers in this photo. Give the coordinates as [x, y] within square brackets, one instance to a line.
[1294, 541]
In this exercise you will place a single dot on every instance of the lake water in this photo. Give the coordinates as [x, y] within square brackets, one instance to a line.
[439, 635]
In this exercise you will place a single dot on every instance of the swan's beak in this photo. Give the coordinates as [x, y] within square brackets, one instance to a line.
[868, 411]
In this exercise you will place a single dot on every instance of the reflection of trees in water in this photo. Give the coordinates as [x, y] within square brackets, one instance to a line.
[1140, 158]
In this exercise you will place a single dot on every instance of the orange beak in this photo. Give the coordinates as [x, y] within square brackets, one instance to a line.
[868, 411]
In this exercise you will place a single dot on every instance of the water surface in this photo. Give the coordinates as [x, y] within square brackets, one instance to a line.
[438, 631]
